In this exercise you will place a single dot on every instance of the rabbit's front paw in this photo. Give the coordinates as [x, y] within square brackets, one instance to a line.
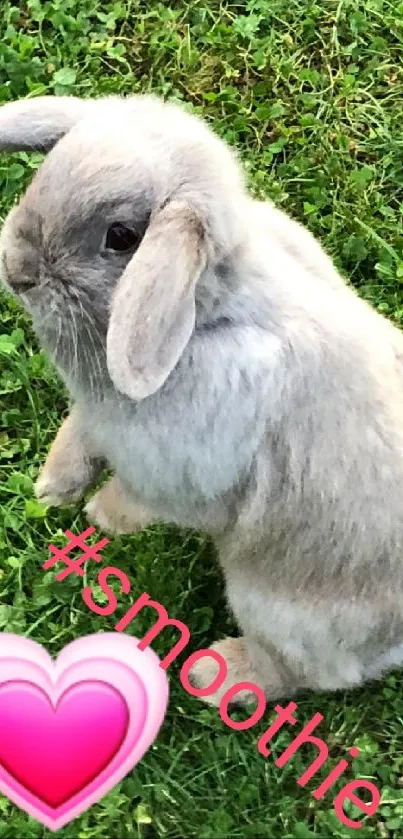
[70, 466]
[55, 490]
[112, 510]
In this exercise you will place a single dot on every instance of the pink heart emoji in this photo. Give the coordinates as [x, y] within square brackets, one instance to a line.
[70, 730]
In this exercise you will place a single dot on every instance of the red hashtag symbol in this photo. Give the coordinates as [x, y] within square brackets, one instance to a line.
[73, 566]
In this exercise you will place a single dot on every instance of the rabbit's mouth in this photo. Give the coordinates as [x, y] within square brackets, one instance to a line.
[23, 286]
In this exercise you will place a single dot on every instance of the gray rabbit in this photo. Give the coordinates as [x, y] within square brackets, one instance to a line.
[226, 373]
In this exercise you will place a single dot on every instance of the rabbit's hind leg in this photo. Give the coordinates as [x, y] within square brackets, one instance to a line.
[246, 662]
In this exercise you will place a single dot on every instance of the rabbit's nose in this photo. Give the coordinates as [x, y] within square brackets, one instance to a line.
[19, 262]
[19, 274]
[19, 252]
[18, 282]
[4, 272]
[18, 258]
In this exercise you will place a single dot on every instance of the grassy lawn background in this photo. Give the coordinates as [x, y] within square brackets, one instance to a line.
[311, 94]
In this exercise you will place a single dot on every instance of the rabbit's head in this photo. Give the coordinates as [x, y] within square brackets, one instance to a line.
[119, 245]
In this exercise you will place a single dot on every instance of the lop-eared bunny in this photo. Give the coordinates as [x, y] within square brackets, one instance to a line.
[225, 372]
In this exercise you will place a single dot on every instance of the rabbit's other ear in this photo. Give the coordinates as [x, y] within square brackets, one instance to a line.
[37, 124]
[153, 308]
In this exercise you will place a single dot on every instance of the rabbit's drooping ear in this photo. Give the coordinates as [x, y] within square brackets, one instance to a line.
[37, 124]
[153, 309]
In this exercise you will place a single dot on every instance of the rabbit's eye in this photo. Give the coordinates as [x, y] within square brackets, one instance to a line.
[121, 238]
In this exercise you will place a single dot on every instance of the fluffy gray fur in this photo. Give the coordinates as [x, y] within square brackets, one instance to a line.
[226, 373]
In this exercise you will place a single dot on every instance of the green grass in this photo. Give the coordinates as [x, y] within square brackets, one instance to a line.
[311, 94]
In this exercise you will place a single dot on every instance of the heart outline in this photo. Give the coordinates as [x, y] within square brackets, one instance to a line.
[109, 657]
